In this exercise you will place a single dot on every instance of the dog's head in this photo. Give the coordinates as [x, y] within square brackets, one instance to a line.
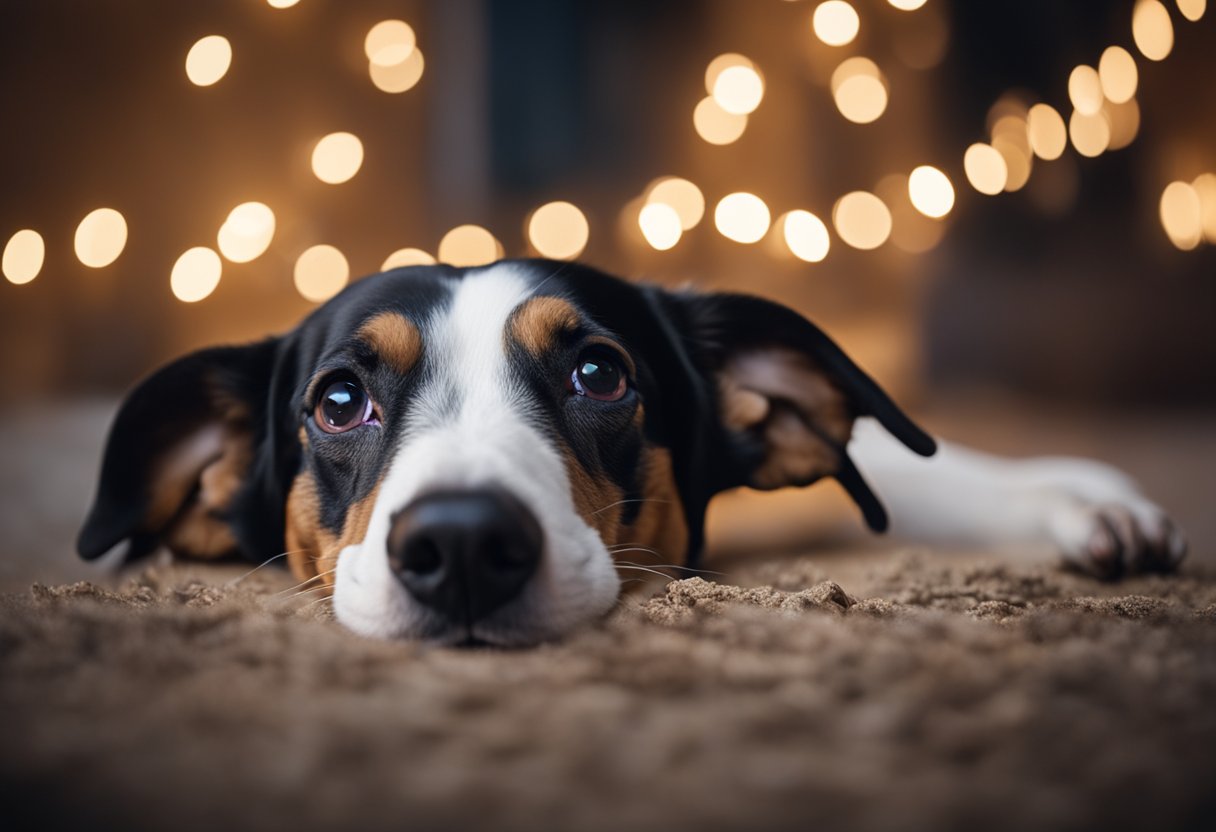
[459, 452]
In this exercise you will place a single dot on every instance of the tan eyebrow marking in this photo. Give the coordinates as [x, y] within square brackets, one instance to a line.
[395, 339]
[537, 323]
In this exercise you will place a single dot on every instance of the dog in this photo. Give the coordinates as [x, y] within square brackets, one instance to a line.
[456, 453]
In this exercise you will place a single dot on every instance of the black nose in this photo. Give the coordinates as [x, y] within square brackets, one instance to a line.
[465, 553]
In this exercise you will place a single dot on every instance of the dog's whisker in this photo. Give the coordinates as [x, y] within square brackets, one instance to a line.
[644, 569]
[631, 500]
[237, 580]
[670, 566]
[306, 582]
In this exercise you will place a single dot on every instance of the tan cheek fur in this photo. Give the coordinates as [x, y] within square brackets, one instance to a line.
[312, 550]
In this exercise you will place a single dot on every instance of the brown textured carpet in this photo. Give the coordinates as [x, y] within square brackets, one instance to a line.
[923, 694]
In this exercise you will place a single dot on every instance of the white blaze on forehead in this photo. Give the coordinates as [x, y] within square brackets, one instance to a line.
[468, 429]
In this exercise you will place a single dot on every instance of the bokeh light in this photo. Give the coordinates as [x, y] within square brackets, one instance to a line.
[558, 230]
[23, 256]
[1182, 215]
[660, 225]
[101, 237]
[1090, 134]
[907, 5]
[1205, 187]
[1124, 122]
[862, 220]
[742, 217]
[195, 274]
[320, 273]
[930, 191]
[1118, 75]
[738, 90]
[469, 245]
[911, 231]
[859, 90]
[208, 60]
[337, 157]
[1018, 159]
[1085, 90]
[1047, 132]
[720, 64]
[406, 257]
[835, 22]
[715, 125]
[1152, 29]
[400, 77]
[281, 4]
[1192, 10]
[247, 232]
[389, 42]
[681, 195]
[985, 168]
[805, 235]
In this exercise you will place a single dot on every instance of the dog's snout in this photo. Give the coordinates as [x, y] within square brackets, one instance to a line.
[465, 553]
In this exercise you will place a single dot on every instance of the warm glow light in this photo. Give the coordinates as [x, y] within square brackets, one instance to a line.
[805, 235]
[1085, 90]
[1182, 215]
[101, 237]
[862, 220]
[1192, 10]
[682, 195]
[859, 89]
[389, 42]
[1124, 121]
[337, 157]
[469, 245]
[407, 257]
[930, 191]
[1205, 187]
[1090, 134]
[1152, 29]
[835, 22]
[1018, 160]
[558, 230]
[1117, 72]
[985, 168]
[281, 4]
[715, 125]
[907, 5]
[208, 60]
[1048, 134]
[398, 77]
[720, 64]
[195, 274]
[738, 90]
[742, 217]
[660, 225]
[23, 256]
[247, 232]
[320, 273]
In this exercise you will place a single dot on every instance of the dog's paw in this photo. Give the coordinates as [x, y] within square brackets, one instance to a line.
[1111, 539]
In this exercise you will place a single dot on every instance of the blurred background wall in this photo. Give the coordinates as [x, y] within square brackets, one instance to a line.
[1063, 267]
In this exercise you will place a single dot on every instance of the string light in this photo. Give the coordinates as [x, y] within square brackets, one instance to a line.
[835, 22]
[907, 5]
[859, 90]
[720, 64]
[1124, 122]
[715, 125]
[247, 232]
[1192, 10]
[389, 42]
[1182, 215]
[406, 257]
[985, 168]
[23, 256]
[469, 245]
[400, 77]
[100, 238]
[862, 220]
[208, 60]
[1090, 134]
[281, 4]
[660, 225]
[320, 273]
[558, 230]
[337, 157]
[1117, 74]
[742, 217]
[1205, 188]
[738, 90]
[930, 191]
[1085, 90]
[1047, 132]
[805, 235]
[682, 195]
[1152, 30]
[195, 274]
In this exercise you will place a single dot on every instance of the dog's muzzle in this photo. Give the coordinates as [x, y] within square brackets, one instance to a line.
[466, 553]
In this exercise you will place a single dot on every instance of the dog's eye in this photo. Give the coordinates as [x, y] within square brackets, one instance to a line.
[342, 406]
[599, 376]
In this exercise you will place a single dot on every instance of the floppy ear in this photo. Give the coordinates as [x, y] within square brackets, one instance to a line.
[179, 455]
[787, 397]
